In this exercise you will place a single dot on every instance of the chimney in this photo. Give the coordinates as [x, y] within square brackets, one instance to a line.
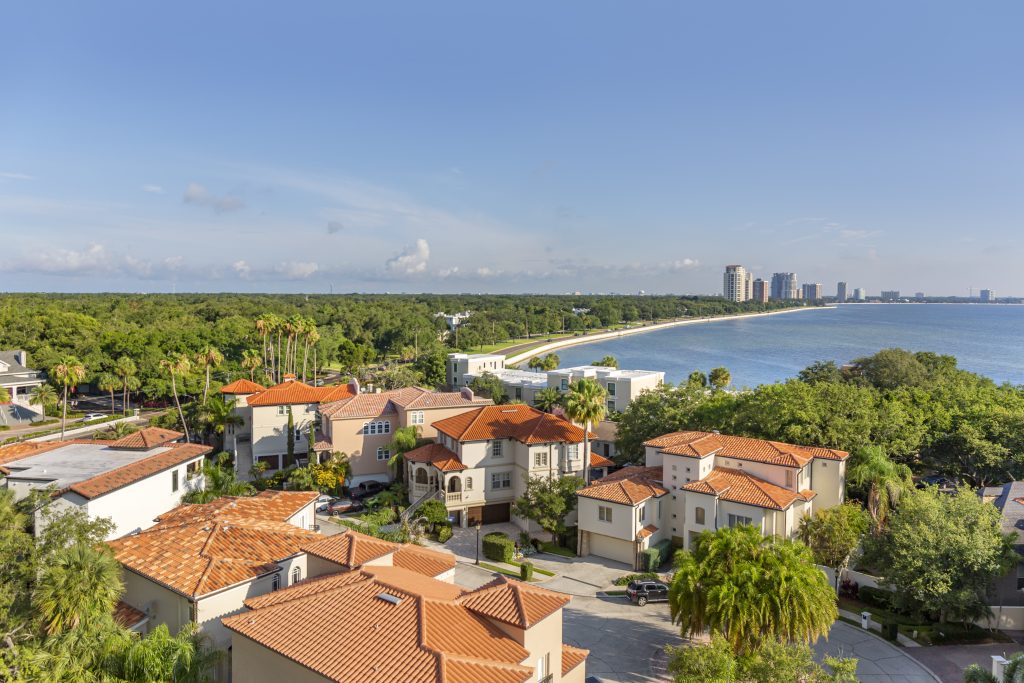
[353, 384]
[289, 377]
[21, 357]
[466, 393]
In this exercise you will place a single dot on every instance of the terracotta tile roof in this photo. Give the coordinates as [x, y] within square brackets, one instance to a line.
[292, 392]
[127, 616]
[350, 549]
[513, 602]
[648, 530]
[420, 634]
[600, 461]
[629, 486]
[410, 398]
[26, 449]
[147, 438]
[423, 561]
[242, 386]
[436, 455]
[572, 657]
[198, 549]
[512, 421]
[740, 487]
[700, 444]
[137, 471]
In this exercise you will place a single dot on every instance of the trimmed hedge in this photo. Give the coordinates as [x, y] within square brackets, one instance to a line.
[499, 547]
[646, 576]
[654, 557]
[444, 534]
[526, 571]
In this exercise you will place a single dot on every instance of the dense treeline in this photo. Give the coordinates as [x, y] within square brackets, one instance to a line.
[352, 330]
[919, 408]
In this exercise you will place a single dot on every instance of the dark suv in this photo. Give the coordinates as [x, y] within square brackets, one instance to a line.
[643, 592]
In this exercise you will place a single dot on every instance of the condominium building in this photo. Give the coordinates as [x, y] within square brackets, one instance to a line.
[737, 283]
[811, 292]
[760, 291]
[987, 296]
[890, 294]
[841, 292]
[462, 367]
[131, 480]
[784, 286]
[860, 294]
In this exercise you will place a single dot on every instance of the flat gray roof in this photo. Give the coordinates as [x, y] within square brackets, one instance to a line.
[76, 462]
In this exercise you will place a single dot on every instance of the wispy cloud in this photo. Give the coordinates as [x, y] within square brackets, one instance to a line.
[9, 175]
[412, 259]
[95, 259]
[198, 195]
[153, 189]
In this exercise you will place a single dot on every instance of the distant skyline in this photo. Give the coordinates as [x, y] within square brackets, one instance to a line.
[526, 147]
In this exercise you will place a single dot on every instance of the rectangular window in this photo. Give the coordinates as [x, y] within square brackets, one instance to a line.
[572, 451]
[174, 481]
[383, 454]
[501, 480]
[611, 388]
[540, 459]
[282, 410]
[611, 406]
[698, 516]
[641, 514]
[736, 520]
[789, 479]
[416, 417]
[496, 449]
[469, 483]
[276, 582]
[296, 574]
[565, 384]
[604, 514]
[193, 469]
[519, 393]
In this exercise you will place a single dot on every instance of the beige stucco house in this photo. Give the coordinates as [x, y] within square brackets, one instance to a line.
[623, 514]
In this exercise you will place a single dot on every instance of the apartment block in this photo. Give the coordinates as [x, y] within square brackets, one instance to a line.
[784, 286]
[737, 283]
[811, 292]
[760, 291]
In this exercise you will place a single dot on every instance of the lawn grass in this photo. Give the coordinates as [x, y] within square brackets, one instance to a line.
[536, 569]
[502, 570]
[557, 550]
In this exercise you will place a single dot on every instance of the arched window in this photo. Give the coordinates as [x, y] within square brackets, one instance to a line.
[421, 475]
[296, 574]
[454, 485]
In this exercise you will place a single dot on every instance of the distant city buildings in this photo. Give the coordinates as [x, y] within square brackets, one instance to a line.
[859, 294]
[453, 320]
[737, 284]
[841, 292]
[760, 291]
[919, 296]
[784, 286]
[890, 294]
[811, 292]
[987, 296]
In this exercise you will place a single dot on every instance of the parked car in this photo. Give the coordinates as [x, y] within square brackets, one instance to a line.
[343, 505]
[93, 416]
[643, 592]
[367, 489]
[939, 480]
[323, 502]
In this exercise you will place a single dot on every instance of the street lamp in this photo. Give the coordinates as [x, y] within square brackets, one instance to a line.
[478, 543]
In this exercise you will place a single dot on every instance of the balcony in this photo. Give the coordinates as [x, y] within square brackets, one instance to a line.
[450, 498]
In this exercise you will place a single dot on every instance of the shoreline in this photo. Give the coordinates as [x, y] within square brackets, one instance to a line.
[605, 336]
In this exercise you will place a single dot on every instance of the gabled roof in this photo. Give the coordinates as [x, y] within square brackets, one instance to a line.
[385, 402]
[629, 486]
[397, 627]
[513, 602]
[423, 561]
[127, 616]
[740, 487]
[242, 386]
[292, 392]
[147, 438]
[511, 421]
[648, 530]
[198, 549]
[350, 549]
[572, 657]
[436, 455]
[600, 461]
[701, 444]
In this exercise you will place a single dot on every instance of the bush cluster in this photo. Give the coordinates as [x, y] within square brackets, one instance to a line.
[526, 571]
[499, 547]
[645, 576]
[444, 533]
[657, 556]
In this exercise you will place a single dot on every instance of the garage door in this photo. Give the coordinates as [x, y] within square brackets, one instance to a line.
[612, 548]
[497, 512]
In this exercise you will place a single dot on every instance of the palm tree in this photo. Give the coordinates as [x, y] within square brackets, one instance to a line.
[178, 365]
[126, 369]
[546, 399]
[78, 585]
[870, 468]
[278, 326]
[218, 415]
[585, 403]
[308, 330]
[109, 382]
[117, 431]
[314, 338]
[405, 440]
[207, 358]
[719, 377]
[219, 480]
[183, 658]
[750, 588]
[251, 362]
[43, 396]
[263, 327]
[1013, 672]
[68, 371]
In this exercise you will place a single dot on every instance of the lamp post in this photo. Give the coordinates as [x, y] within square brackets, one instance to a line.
[478, 543]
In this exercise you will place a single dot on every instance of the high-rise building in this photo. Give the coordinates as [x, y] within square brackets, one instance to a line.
[919, 296]
[987, 296]
[811, 292]
[784, 286]
[737, 284]
[859, 294]
[760, 291]
[841, 292]
[890, 294]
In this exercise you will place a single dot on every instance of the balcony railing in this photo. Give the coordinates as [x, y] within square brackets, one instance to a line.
[453, 497]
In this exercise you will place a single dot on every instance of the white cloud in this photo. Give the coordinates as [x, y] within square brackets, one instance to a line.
[412, 259]
[200, 196]
[448, 272]
[96, 259]
[682, 264]
[296, 270]
[153, 189]
[242, 269]
[8, 175]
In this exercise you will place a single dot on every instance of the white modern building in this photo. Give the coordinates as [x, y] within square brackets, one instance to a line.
[737, 284]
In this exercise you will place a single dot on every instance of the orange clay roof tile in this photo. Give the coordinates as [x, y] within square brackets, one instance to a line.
[511, 421]
[423, 561]
[436, 455]
[514, 603]
[628, 486]
[410, 398]
[147, 438]
[127, 616]
[600, 461]
[701, 444]
[292, 392]
[739, 487]
[242, 386]
[648, 530]
[572, 657]
[350, 548]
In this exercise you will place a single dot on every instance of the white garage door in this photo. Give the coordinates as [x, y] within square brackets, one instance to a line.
[612, 548]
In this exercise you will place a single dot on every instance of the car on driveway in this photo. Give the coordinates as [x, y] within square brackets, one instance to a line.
[643, 592]
[343, 505]
[93, 416]
[323, 502]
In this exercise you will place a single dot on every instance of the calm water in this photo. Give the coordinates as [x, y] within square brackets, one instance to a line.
[988, 340]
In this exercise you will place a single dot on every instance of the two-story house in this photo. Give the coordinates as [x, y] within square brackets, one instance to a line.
[363, 426]
[482, 459]
[19, 380]
[623, 514]
[131, 480]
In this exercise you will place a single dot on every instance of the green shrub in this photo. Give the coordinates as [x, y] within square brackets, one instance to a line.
[524, 539]
[4, 428]
[499, 547]
[526, 571]
[645, 576]
[658, 555]
[434, 511]
[649, 559]
[876, 597]
[444, 534]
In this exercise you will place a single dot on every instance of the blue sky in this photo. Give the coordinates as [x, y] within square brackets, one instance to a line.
[510, 147]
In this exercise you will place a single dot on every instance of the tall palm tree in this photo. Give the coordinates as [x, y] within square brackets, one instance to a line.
[263, 328]
[108, 382]
[218, 415]
[278, 327]
[68, 371]
[175, 366]
[314, 338]
[308, 330]
[251, 361]
[404, 440]
[585, 403]
[79, 584]
[547, 398]
[884, 480]
[44, 396]
[126, 369]
[208, 358]
[1013, 672]
[219, 480]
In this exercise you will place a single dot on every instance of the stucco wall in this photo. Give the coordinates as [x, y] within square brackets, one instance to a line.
[250, 661]
[270, 430]
[162, 604]
[828, 479]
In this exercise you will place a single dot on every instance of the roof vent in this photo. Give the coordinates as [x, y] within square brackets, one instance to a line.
[715, 431]
[386, 597]
[508, 410]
